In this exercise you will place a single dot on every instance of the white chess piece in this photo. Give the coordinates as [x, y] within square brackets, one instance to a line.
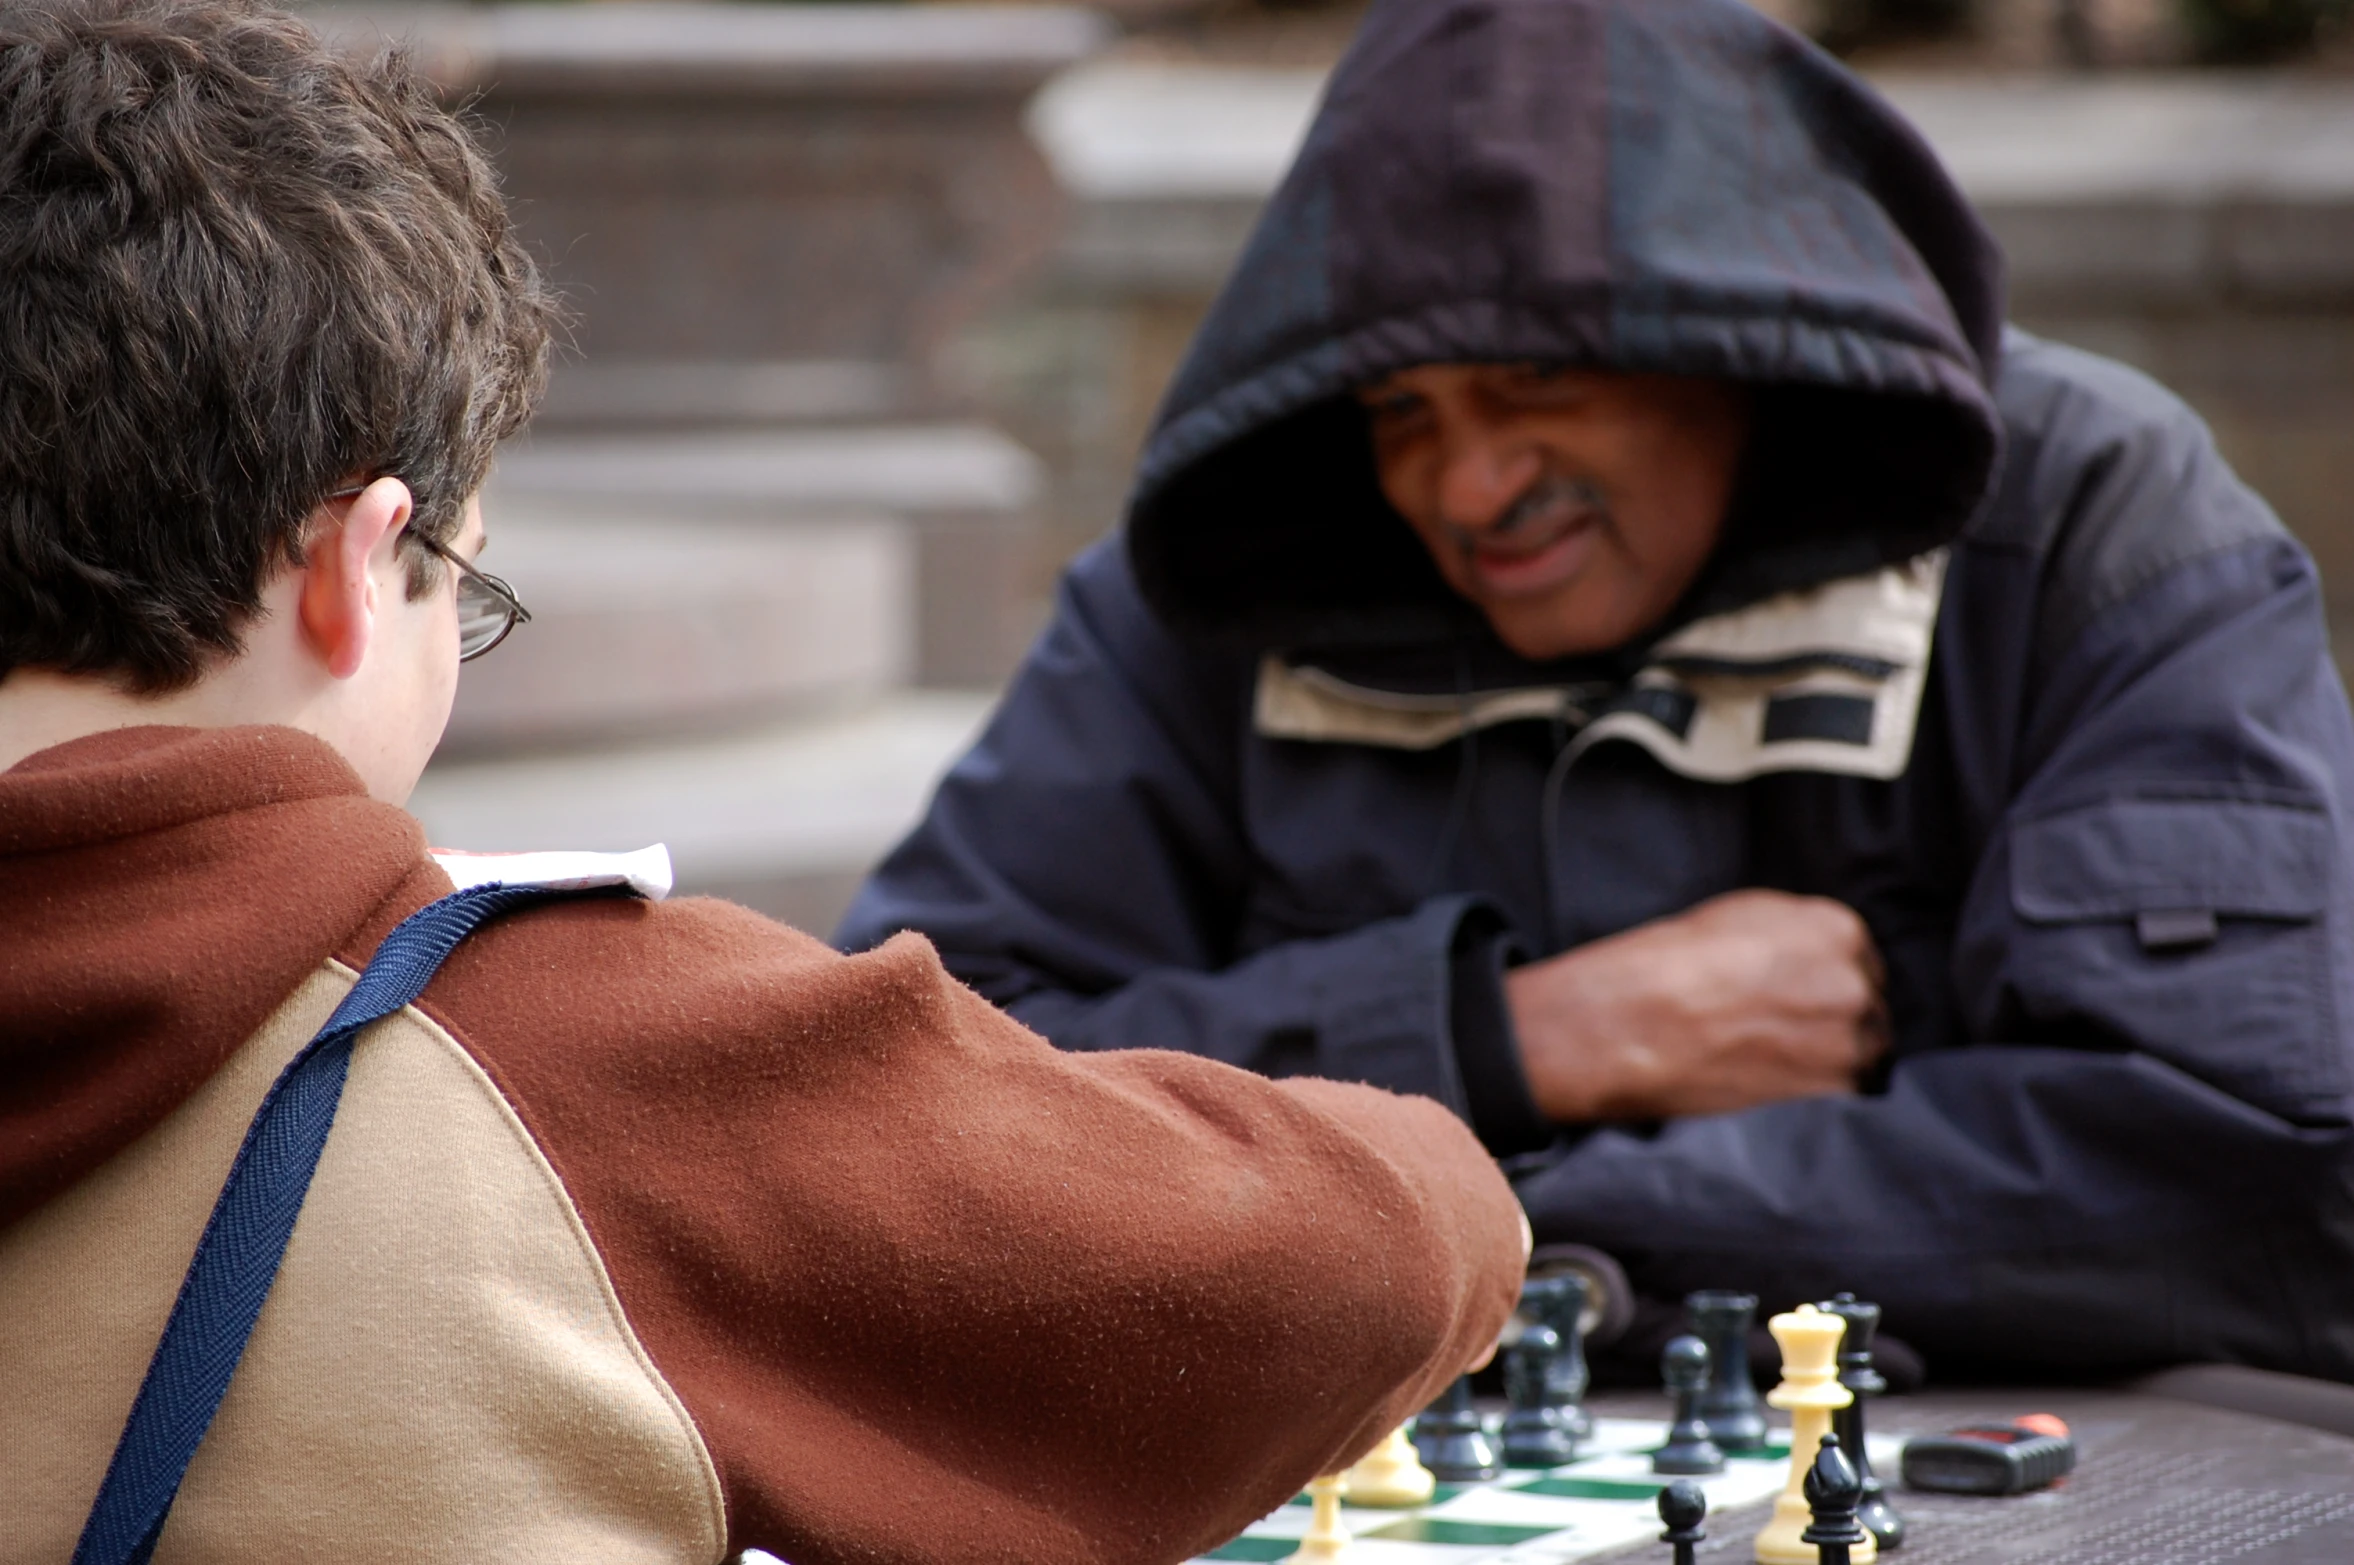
[1809, 1391]
[1327, 1538]
[1391, 1476]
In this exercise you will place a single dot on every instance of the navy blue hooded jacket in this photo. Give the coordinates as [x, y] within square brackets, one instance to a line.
[1995, 650]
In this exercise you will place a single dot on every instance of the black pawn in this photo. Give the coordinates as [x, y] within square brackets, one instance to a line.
[1857, 1375]
[1561, 1302]
[1535, 1434]
[1683, 1369]
[1731, 1408]
[1681, 1507]
[1450, 1441]
[1833, 1491]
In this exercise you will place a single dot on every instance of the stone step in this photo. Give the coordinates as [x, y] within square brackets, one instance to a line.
[2162, 188]
[656, 624]
[934, 472]
[693, 580]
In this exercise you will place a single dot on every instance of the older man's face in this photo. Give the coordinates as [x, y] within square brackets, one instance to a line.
[1573, 506]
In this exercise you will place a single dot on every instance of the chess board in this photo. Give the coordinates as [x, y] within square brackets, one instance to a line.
[1605, 1500]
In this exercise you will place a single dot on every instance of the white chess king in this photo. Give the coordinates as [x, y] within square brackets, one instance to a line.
[1809, 1391]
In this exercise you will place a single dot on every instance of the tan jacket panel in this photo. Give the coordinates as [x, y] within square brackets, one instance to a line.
[442, 1371]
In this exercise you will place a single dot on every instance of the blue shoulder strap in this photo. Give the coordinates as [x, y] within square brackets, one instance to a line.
[245, 1238]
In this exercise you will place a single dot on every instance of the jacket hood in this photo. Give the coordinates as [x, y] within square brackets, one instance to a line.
[162, 890]
[1669, 186]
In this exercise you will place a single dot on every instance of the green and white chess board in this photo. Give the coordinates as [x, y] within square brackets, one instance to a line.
[1605, 1500]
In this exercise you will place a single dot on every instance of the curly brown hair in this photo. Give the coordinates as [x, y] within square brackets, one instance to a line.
[236, 268]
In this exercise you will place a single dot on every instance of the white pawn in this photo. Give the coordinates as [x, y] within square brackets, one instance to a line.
[1327, 1538]
[1391, 1477]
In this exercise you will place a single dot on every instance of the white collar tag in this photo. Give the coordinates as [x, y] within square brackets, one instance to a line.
[646, 871]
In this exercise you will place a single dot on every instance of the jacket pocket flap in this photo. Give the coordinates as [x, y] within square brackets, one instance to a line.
[2125, 857]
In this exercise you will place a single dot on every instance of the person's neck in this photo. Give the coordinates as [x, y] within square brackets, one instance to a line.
[266, 681]
[41, 708]
[338, 647]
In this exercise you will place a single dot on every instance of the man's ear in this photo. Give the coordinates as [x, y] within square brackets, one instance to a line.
[350, 561]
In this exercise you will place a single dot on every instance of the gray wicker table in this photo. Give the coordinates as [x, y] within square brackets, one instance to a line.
[2159, 1481]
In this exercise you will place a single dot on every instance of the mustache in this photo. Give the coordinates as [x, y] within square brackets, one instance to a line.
[1551, 502]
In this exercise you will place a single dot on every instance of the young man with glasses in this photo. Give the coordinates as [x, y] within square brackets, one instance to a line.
[650, 1231]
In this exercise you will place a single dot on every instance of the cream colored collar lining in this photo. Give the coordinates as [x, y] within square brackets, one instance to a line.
[1825, 680]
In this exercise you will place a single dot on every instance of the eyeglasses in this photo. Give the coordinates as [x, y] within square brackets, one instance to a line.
[487, 606]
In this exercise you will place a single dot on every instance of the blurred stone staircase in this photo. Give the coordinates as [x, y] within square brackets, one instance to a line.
[774, 567]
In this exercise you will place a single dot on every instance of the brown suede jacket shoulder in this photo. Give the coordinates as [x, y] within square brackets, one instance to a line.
[925, 1288]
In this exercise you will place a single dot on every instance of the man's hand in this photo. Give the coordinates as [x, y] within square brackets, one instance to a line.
[1752, 997]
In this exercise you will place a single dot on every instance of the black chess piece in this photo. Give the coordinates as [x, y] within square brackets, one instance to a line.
[1683, 1369]
[1535, 1433]
[1730, 1407]
[1682, 1507]
[1450, 1440]
[1857, 1375]
[1561, 1302]
[1833, 1491]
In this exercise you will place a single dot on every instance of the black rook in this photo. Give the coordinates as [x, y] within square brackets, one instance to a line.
[1730, 1407]
[1535, 1432]
[1561, 1302]
[1683, 1369]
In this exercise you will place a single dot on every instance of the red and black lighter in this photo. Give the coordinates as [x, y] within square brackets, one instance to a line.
[2009, 1458]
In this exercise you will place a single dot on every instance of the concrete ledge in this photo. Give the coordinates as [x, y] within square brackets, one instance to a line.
[639, 49]
[2055, 140]
[951, 505]
[659, 394]
[662, 625]
[1127, 130]
[2167, 190]
[899, 469]
[1166, 167]
[1144, 245]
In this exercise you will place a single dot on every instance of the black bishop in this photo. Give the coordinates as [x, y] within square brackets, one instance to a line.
[1833, 1491]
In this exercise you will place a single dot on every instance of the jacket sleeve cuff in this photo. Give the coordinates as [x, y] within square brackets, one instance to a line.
[1430, 1018]
[1487, 1055]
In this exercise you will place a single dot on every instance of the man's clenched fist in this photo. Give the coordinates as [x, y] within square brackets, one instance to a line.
[1752, 997]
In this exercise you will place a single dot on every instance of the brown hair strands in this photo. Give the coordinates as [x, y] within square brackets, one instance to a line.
[236, 268]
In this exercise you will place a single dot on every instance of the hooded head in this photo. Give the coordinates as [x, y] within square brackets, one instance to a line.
[1661, 187]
